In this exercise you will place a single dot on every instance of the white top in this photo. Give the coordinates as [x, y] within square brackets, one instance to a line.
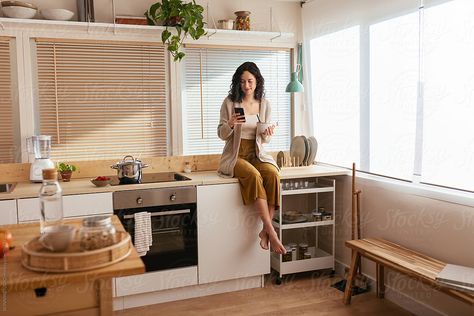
[249, 128]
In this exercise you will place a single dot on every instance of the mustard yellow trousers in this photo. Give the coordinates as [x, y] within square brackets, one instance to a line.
[258, 180]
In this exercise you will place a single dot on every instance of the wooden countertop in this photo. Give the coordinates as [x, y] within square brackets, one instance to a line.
[18, 278]
[84, 186]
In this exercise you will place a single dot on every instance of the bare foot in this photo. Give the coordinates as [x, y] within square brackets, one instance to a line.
[263, 239]
[276, 244]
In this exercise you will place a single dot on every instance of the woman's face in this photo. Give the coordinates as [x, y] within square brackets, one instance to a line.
[248, 83]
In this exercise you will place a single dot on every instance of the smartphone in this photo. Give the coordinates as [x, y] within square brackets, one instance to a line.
[240, 111]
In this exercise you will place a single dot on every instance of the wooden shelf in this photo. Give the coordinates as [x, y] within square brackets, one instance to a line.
[124, 29]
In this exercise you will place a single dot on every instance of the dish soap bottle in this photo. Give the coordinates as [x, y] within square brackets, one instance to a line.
[51, 200]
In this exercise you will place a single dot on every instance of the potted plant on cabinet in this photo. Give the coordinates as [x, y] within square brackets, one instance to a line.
[66, 171]
[186, 18]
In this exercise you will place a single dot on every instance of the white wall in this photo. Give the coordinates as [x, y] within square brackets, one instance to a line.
[439, 229]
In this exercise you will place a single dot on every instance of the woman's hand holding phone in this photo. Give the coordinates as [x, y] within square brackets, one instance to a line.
[238, 117]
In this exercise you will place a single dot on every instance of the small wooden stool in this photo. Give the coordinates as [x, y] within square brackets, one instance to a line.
[400, 259]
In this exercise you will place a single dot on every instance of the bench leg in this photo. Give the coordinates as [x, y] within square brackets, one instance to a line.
[353, 269]
[380, 281]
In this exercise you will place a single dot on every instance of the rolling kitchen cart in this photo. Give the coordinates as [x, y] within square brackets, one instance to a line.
[306, 216]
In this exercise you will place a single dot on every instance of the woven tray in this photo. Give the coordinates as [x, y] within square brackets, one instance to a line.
[37, 258]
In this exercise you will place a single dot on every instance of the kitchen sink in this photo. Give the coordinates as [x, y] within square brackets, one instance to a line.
[7, 187]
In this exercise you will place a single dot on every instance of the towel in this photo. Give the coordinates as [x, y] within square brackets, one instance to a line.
[143, 238]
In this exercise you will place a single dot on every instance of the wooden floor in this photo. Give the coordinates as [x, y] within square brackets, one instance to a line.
[301, 294]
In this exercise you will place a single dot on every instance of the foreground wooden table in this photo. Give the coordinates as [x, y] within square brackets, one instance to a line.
[25, 292]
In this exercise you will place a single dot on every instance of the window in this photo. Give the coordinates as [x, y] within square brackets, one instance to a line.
[335, 78]
[448, 134]
[393, 96]
[392, 89]
[207, 75]
[7, 145]
[102, 100]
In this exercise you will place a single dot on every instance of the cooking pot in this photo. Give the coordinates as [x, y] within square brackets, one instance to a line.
[129, 170]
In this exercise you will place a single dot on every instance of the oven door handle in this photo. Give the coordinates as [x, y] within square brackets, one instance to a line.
[186, 211]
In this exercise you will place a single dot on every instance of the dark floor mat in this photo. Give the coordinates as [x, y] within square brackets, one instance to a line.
[355, 290]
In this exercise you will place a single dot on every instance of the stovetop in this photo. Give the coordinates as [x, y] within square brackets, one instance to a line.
[153, 178]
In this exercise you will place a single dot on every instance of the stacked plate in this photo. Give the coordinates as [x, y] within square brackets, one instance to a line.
[303, 150]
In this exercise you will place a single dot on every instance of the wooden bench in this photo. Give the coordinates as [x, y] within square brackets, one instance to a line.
[400, 259]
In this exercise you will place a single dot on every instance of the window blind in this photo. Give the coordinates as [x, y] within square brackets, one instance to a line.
[6, 108]
[102, 99]
[207, 74]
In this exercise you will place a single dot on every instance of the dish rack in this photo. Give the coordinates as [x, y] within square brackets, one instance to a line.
[305, 199]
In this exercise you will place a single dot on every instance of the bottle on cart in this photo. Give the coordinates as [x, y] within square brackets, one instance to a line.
[51, 200]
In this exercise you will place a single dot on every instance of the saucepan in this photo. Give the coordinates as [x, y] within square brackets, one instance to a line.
[129, 170]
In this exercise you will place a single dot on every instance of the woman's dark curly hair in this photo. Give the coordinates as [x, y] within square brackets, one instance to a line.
[235, 93]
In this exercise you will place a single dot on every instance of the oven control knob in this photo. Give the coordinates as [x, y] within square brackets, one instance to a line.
[139, 200]
[173, 197]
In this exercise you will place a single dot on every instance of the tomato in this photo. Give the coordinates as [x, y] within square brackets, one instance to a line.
[4, 248]
[102, 178]
[6, 235]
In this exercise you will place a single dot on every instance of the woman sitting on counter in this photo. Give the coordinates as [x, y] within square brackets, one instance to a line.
[244, 156]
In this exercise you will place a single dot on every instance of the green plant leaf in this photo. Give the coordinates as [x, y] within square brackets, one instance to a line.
[189, 20]
[165, 35]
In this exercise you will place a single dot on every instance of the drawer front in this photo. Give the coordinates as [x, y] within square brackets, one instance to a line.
[73, 206]
[28, 210]
[8, 212]
[57, 299]
[155, 281]
[87, 204]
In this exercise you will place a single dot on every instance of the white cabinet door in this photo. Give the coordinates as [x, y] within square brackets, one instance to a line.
[8, 212]
[73, 206]
[228, 243]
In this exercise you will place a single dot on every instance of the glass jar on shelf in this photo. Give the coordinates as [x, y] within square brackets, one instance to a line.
[288, 255]
[242, 21]
[302, 248]
[294, 248]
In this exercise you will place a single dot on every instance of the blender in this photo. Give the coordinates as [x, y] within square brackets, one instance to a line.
[40, 146]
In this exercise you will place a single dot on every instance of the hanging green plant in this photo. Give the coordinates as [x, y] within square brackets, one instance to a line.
[186, 18]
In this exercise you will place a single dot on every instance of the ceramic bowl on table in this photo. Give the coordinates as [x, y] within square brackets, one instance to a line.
[18, 9]
[57, 14]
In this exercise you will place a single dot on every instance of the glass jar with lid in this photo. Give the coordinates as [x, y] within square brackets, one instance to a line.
[302, 248]
[294, 248]
[97, 232]
[287, 256]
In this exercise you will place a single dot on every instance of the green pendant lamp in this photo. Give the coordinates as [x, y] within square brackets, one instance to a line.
[295, 85]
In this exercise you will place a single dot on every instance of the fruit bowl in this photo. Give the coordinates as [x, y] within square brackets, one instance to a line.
[101, 181]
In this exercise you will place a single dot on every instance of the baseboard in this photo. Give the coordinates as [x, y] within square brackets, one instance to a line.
[404, 301]
[183, 293]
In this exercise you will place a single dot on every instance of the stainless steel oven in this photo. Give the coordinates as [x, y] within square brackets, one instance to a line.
[173, 224]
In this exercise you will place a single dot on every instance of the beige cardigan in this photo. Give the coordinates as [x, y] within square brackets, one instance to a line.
[232, 137]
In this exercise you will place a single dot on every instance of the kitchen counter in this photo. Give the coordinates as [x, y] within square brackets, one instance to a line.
[84, 186]
[89, 290]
